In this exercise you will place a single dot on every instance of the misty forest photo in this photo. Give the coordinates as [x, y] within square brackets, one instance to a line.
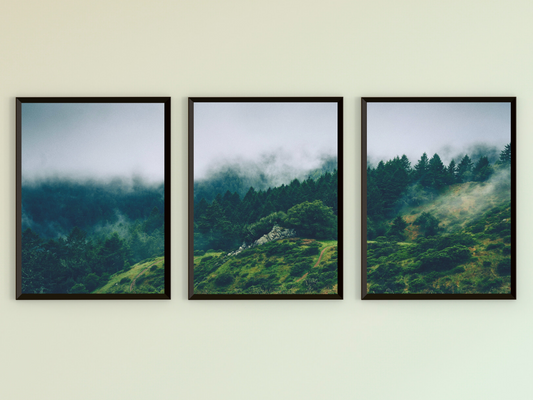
[92, 197]
[439, 197]
[264, 205]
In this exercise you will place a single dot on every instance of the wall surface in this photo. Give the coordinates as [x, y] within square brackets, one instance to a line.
[348, 349]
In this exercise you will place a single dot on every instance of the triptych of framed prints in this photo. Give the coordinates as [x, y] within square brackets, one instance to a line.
[265, 199]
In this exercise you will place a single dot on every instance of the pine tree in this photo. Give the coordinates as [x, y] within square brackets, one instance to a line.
[505, 155]
[482, 170]
[464, 170]
[397, 228]
[452, 173]
[421, 170]
[437, 175]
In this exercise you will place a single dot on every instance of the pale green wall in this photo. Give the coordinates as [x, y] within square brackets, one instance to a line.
[346, 349]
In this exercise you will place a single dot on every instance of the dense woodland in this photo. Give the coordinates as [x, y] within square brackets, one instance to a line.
[309, 206]
[395, 184]
[433, 228]
[75, 235]
[224, 219]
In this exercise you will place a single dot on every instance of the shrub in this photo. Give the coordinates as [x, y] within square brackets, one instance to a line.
[487, 264]
[495, 246]
[445, 259]
[224, 279]
[507, 239]
[153, 268]
[504, 267]
[506, 251]
[310, 251]
[206, 258]
[78, 288]
[125, 280]
[199, 252]
[299, 269]
[91, 282]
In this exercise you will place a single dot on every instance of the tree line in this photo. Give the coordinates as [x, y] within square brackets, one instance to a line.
[394, 183]
[309, 206]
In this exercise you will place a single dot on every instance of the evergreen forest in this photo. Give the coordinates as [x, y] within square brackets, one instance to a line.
[224, 220]
[435, 228]
[79, 237]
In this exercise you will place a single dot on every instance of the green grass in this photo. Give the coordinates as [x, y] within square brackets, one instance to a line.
[151, 281]
[279, 267]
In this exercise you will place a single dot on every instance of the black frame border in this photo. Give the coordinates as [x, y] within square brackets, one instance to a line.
[381, 296]
[340, 167]
[83, 296]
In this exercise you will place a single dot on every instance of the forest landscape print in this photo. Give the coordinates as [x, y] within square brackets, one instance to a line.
[93, 198]
[265, 208]
[438, 198]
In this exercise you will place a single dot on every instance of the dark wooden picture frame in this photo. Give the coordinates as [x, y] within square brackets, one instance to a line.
[236, 143]
[93, 198]
[443, 228]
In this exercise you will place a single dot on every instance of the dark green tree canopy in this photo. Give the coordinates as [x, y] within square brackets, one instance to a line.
[312, 220]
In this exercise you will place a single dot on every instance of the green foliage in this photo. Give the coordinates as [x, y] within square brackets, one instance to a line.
[224, 279]
[299, 269]
[428, 223]
[91, 281]
[312, 220]
[495, 246]
[397, 229]
[78, 288]
[504, 267]
[125, 280]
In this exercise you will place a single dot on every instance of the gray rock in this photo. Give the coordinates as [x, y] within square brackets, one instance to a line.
[276, 233]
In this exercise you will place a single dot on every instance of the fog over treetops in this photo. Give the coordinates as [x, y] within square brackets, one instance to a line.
[268, 171]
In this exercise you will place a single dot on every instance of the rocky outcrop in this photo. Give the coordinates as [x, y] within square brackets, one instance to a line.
[276, 233]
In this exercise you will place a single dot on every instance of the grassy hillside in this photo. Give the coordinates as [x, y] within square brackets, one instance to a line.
[148, 276]
[467, 252]
[280, 267]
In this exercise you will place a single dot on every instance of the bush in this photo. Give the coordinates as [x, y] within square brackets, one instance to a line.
[78, 288]
[299, 269]
[224, 279]
[507, 239]
[311, 251]
[199, 252]
[125, 280]
[445, 259]
[504, 267]
[153, 268]
[487, 264]
[506, 251]
[91, 282]
[206, 258]
[495, 246]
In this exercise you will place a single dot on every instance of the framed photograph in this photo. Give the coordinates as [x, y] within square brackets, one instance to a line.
[265, 198]
[438, 198]
[93, 198]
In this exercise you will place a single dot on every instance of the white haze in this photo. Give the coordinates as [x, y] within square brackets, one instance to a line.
[298, 133]
[86, 141]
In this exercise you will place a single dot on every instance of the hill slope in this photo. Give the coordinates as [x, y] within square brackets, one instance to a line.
[457, 243]
[148, 276]
[284, 266]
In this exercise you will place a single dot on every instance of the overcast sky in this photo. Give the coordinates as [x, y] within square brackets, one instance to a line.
[299, 133]
[93, 140]
[448, 129]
